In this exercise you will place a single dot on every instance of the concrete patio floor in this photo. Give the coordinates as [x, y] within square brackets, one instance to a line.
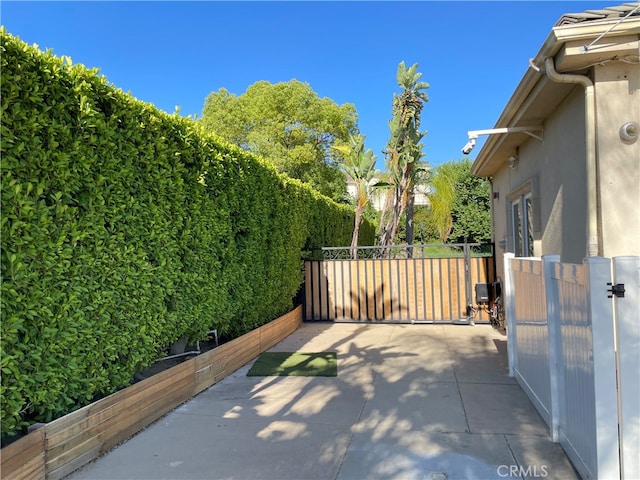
[425, 402]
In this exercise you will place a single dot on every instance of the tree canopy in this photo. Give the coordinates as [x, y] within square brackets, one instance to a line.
[460, 204]
[471, 208]
[289, 125]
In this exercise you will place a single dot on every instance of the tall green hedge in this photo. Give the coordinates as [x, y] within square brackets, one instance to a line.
[125, 228]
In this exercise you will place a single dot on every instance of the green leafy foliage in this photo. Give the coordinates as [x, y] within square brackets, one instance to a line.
[460, 204]
[288, 125]
[471, 210]
[125, 228]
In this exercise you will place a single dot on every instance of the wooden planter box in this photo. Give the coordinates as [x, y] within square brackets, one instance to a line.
[66, 444]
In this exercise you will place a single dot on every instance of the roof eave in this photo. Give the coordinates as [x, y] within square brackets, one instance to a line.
[534, 81]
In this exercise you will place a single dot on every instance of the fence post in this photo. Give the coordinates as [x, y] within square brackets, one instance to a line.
[626, 270]
[604, 367]
[510, 311]
[554, 337]
[468, 283]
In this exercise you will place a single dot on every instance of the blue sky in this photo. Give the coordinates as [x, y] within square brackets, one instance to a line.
[473, 54]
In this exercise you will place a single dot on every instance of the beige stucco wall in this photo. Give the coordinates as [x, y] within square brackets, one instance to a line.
[563, 181]
[554, 171]
[618, 102]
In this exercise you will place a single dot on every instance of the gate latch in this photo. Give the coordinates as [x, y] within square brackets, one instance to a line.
[617, 290]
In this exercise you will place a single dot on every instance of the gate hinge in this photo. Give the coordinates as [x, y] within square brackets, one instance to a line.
[617, 290]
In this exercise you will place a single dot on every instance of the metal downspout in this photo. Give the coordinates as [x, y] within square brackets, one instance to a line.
[594, 247]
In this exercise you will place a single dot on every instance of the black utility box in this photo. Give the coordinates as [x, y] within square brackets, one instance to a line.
[484, 293]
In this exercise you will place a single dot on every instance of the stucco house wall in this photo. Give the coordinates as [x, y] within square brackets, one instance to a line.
[618, 101]
[552, 170]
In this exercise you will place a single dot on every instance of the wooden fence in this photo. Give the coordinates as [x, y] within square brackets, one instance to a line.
[403, 290]
[66, 444]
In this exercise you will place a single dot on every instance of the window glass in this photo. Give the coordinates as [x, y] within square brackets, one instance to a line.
[523, 218]
[517, 228]
[529, 215]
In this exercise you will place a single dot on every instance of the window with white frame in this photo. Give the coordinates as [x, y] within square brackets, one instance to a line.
[522, 219]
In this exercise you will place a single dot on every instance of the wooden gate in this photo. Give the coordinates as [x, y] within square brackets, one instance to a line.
[407, 286]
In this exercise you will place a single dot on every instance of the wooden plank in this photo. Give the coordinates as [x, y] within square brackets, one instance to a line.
[104, 409]
[437, 288]
[325, 297]
[170, 392]
[167, 389]
[328, 303]
[396, 290]
[451, 306]
[363, 290]
[390, 293]
[409, 268]
[354, 291]
[33, 469]
[129, 415]
[370, 290]
[429, 288]
[379, 283]
[129, 420]
[308, 290]
[316, 268]
[421, 310]
[315, 290]
[458, 289]
[273, 332]
[81, 436]
[226, 359]
[340, 289]
[157, 383]
[63, 451]
[24, 458]
[208, 376]
[293, 321]
[106, 440]
[102, 404]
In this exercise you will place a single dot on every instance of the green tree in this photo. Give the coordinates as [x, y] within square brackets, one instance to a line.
[441, 198]
[459, 203]
[360, 166]
[404, 150]
[290, 126]
[471, 208]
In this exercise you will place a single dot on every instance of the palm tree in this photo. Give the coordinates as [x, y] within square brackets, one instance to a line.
[359, 165]
[404, 150]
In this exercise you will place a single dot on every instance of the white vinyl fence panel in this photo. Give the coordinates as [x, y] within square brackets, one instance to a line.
[578, 362]
[626, 271]
[532, 367]
[588, 414]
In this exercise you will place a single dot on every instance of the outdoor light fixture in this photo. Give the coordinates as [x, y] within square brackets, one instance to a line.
[513, 160]
[629, 132]
[473, 135]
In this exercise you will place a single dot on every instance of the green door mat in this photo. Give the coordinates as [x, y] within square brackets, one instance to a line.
[301, 364]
